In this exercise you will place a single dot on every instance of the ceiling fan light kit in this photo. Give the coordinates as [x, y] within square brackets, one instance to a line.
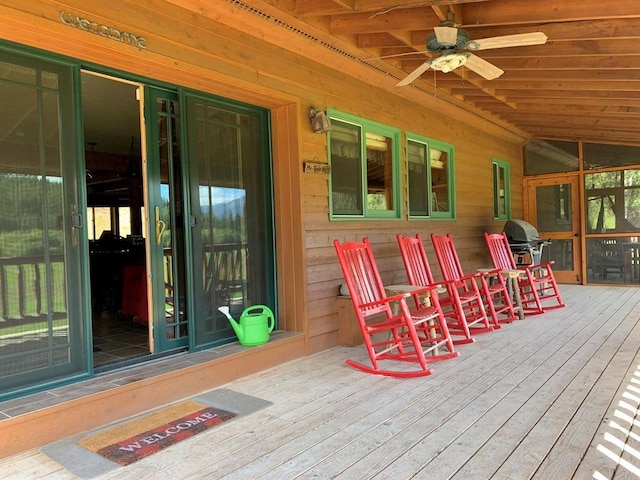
[449, 62]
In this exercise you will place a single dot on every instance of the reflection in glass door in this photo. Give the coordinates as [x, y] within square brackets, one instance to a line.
[231, 206]
[554, 211]
[41, 331]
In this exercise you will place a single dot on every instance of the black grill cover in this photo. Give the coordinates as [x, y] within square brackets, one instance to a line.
[519, 231]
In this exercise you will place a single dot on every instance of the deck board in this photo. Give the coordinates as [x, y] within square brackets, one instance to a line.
[553, 396]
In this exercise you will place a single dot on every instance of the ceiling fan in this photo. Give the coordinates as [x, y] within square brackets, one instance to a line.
[454, 49]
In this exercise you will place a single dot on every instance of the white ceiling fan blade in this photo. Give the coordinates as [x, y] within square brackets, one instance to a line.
[517, 40]
[446, 36]
[482, 67]
[413, 75]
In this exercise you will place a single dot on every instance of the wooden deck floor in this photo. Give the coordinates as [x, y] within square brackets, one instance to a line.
[549, 397]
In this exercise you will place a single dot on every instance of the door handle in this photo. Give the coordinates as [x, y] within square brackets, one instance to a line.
[76, 225]
[160, 226]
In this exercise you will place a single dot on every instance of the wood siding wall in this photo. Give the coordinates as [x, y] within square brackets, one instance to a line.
[215, 47]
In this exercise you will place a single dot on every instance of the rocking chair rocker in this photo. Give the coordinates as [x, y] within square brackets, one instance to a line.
[394, 332]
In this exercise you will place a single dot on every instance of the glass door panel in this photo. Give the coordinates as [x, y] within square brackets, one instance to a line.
[230, 190]
[554, 211]
[41, 330]
[166, 221]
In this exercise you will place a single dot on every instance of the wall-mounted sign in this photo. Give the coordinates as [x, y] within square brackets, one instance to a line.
[102, 30]
[316, 166]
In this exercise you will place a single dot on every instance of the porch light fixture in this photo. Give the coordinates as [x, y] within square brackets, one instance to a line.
[320, 123]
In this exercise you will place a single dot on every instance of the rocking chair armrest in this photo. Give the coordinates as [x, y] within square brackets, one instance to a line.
[536, 266]
[470, 276]
[505, 272]
[443, 285]
[408, 290]
[386, 300]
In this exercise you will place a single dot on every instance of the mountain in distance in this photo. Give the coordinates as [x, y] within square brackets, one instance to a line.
[231, 208]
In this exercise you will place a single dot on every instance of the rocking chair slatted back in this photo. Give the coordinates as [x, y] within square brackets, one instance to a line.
[501, 257]
[493, 287]
[447, 257]
[462, 309]
[363, 279]
[415, 260]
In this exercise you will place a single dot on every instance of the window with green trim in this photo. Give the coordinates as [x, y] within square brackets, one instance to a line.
[430, 178]
[501, 190]
[365, 173]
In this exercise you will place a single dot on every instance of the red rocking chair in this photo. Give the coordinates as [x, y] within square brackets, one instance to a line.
[463, 308]
[393, 332]
[493, 286]
[536, 282]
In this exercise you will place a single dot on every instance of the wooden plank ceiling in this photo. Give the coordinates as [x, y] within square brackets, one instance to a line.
[584, 83]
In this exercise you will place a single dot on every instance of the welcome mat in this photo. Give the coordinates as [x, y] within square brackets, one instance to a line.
[95, 453]
[138, 438]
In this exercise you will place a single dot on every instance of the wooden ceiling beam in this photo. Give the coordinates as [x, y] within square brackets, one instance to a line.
[379, 6]
[588, 135]
[378, 40]
[616, 97]
[565, 87]
[560, 75]
[629, 129]
[415, 19]
[305, 8]
[509, 12]
[569, 109]
[561, 102]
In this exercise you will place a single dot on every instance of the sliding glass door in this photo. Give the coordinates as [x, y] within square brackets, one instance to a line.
[42, 338]
[232, 221]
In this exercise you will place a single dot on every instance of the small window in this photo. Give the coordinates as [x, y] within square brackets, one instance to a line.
[501, 190]
[430, 178]
[365, 177]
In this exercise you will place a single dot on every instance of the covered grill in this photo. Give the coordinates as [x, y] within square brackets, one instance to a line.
[525, 242]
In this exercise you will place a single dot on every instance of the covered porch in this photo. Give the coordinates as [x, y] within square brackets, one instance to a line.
[553, 396]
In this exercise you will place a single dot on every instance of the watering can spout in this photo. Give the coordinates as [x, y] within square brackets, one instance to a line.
[236, 326]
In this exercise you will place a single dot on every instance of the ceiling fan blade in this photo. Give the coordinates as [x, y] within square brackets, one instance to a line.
[446, 36]
[413, 75]
[482, 67]
[517, 40]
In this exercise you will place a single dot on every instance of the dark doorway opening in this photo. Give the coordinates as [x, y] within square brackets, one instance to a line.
[115, 201]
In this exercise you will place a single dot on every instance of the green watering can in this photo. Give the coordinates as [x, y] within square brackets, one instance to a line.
[254, 326]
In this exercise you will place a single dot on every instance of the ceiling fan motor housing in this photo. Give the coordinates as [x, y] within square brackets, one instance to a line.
[436, 47]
